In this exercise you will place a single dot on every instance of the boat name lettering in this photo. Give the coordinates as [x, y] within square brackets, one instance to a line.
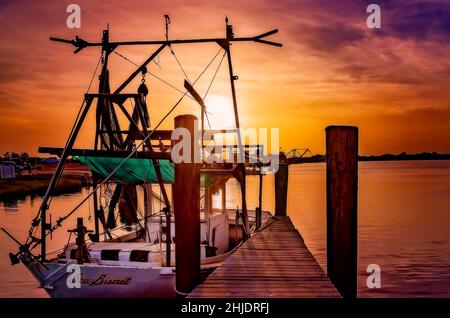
[103, 279]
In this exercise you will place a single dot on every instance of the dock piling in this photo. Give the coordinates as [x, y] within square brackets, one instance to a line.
[342, 189]
[258, 210]
[223, 191]
[187, 214]
[281, 187]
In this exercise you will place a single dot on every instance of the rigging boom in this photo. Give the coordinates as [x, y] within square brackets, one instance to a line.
[81, 44]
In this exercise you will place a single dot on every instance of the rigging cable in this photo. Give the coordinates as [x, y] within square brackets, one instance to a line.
[179, 63]
[167, 22]
[32, 230]
[214, 76]
[174, 87]
[155, 76]
[210, 84]
[78, 115]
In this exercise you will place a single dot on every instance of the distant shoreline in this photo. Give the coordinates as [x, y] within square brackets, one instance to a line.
[21, 186]
[385, 157]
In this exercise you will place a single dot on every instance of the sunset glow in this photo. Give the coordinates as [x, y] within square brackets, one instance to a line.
[391, 82]
[220, 111]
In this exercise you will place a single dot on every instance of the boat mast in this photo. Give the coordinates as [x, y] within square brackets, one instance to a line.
[240, 167]
[103, 83]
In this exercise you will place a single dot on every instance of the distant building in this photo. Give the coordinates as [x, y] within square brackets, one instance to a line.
[50, 161]
[7, 170]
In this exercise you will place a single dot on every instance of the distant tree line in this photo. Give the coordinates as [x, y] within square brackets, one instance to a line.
[20, 158]
[384, 157]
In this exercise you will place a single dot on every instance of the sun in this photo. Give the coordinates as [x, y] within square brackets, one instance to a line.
[220, 111]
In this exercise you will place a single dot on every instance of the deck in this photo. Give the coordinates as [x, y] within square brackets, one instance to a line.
[275, 262]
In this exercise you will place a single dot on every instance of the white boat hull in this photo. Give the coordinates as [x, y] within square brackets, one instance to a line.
[122, 277]
[108, 282]
[101, 281]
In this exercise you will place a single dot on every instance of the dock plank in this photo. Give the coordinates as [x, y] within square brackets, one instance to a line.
[274, 262]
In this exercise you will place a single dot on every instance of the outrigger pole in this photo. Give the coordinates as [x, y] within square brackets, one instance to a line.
[107, 48]
[81, 44]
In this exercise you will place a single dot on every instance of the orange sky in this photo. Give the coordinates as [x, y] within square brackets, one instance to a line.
[392, 83]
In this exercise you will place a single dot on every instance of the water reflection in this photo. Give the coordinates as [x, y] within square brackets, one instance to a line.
[404, 223]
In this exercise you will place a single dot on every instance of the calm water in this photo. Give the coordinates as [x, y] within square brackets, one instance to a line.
[404, 225]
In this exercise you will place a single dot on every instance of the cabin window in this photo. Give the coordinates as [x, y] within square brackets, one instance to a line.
[139, 256]
[110, 255]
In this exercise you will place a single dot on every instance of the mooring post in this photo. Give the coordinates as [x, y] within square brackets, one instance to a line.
[258, 210]
[187, 214]
[224, 197]
[208, 202]
[281, 189]
[342, 209]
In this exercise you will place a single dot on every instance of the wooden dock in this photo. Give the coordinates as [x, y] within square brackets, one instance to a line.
[275, 262]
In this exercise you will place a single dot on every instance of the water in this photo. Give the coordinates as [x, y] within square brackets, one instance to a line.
[404, 222]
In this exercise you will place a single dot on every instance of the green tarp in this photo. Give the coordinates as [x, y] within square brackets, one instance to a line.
[133, 171]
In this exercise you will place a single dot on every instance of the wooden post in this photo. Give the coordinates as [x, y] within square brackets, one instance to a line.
[281, 187]
[342, 209]
[96, 236]
[187, 214]
[258, 210]
[148, 209]
[208, 202]
[224, 197]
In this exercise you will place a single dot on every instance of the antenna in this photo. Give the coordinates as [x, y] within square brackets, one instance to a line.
[229, 29]
[167, 21]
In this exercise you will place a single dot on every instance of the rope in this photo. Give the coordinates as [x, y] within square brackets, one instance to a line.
[89, 212]
[180, 293]
[61, 219]
[156, 61]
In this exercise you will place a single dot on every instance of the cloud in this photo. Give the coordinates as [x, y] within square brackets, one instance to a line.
[420, 20]
[330, 37]
[407, 49]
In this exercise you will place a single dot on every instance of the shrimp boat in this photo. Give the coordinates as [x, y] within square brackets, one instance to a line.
[133, 250]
